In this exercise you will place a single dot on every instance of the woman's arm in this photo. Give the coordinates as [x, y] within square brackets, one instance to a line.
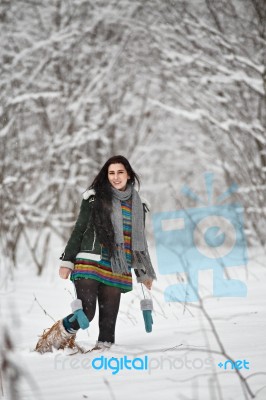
[74, 242]
[141, 274]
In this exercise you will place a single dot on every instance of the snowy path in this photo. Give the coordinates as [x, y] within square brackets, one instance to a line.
[179, 365]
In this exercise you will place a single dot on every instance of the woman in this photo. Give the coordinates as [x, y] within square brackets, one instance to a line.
[108, 240]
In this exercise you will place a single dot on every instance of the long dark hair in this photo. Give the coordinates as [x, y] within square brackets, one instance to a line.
[102, 205]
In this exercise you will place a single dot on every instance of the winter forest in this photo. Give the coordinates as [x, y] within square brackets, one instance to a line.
[179, 88]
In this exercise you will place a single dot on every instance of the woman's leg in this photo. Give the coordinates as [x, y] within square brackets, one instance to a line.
[108, 301]
[87, 291]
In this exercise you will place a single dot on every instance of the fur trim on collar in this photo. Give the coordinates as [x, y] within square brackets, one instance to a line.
[88, 193]
[147, 204]
[91, 192]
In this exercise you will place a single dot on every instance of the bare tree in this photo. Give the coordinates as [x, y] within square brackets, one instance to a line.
[178, 86]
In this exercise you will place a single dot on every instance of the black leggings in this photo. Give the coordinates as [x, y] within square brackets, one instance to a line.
[88, 290]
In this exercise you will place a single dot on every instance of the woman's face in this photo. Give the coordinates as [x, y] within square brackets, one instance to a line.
[118, 176]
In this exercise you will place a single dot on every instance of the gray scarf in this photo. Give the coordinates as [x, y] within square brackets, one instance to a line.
[140, 254]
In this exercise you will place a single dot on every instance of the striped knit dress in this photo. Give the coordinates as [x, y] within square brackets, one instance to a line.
[101, 270]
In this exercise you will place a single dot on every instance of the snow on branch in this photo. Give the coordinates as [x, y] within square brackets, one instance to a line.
[33, 96]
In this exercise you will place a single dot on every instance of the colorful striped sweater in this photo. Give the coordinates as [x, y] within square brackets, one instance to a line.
[101, 270]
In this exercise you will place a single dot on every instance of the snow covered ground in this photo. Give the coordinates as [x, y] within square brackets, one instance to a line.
[179, 364]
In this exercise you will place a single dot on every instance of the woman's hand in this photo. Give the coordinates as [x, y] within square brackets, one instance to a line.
[148, 283]
[64, 272]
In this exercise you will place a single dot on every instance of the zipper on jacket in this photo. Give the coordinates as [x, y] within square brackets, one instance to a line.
[94, 239]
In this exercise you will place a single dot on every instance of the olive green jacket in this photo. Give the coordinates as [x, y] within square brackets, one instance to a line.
[83, 238]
